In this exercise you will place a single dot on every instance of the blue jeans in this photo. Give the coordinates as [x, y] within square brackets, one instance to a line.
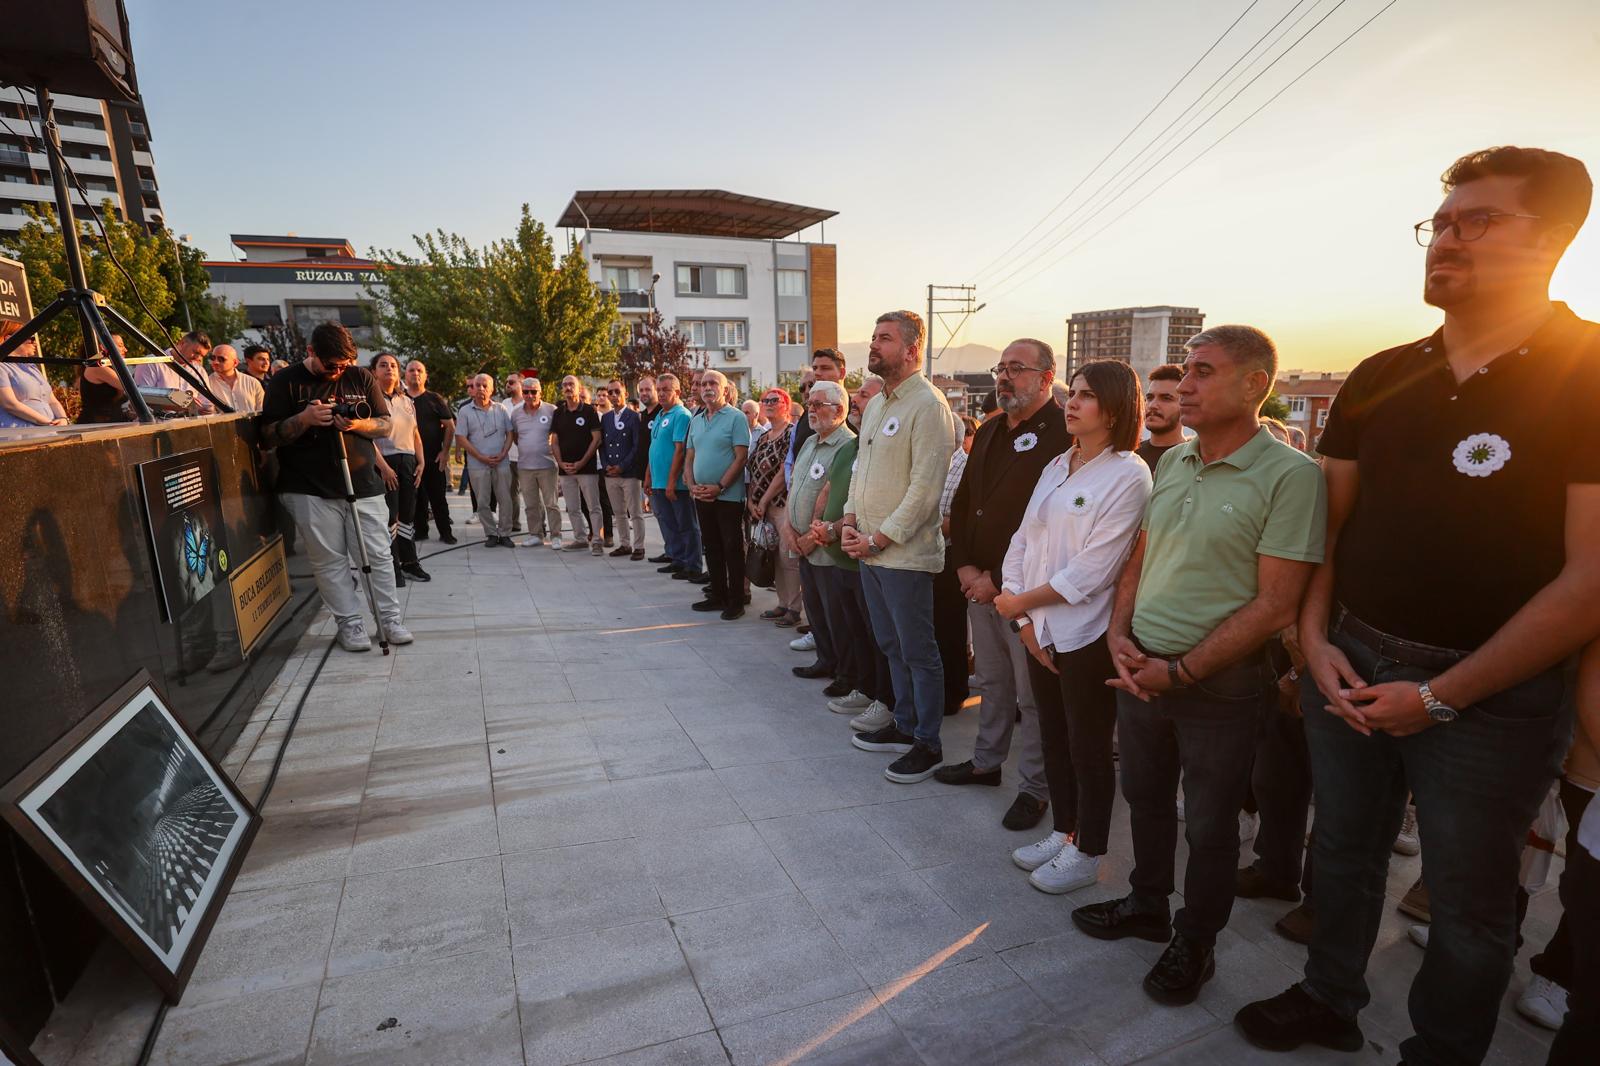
[901, 605]
[1206, 734]
[1477, 784]
[680, 531]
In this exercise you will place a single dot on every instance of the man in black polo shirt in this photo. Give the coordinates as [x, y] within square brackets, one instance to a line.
[1463, 567]
[1007, 458]
[576, 426]
[436, 423]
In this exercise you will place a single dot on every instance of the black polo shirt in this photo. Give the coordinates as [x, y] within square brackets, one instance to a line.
[432, 413]
[309, 464]
[1461, 513]
[998, 482]
[574, 430]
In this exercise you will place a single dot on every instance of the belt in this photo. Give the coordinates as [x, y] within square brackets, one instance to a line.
[1395, 649]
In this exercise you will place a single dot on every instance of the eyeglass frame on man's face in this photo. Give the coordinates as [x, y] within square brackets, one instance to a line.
[813, 405]
[1428, 230]
[1011, 370]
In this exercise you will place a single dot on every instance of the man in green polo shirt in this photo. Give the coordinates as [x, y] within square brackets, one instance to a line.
[1235, 527]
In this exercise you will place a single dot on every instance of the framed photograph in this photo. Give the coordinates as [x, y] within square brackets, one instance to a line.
[136, 819]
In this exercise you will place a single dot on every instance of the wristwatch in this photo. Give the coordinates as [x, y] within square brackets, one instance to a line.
[1019, 624]
[872, 546]
[1437, 710]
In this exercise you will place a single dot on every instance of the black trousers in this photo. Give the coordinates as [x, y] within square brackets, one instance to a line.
[1579, 942]
[432, 496]
[1280, 783]
[861, 665]
[817, 616]
[402, 501]
[1077, 718]
[722, 537]
[950, 633]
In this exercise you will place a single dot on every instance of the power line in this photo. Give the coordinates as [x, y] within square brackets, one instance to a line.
[1124, 140]
[1202, 154]
[1167, 153]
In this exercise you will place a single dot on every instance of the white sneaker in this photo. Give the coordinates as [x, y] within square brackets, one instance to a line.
[1419, 935]
[397, 633]
[555, 543]
[531, 541]
[1070, 869]
[1248, 824]
[353, 636]
[805, 642]
[850, 704]
[1408, 843]
[874, 718]
[1543, 1002]
[472, 520]
[1032, 856]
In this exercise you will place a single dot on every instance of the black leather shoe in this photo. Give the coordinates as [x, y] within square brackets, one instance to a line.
[1292, 1018]
[707, 604]
[1114, 919]
[815, 670]
[837, 689]
[447, 538]
[681, 574]
[962, 773]
[670, 568]
[1298, 924]
[699, 577]
[1251, 883]
[1177, 976]
[729, 614]
[415, 572]
[1024, 812]
[662, 559]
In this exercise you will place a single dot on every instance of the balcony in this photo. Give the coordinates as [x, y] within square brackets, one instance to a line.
[147, 185]
[138, 129]
[14, 157]
[628, 299]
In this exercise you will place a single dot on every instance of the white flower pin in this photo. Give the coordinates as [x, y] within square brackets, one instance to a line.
[580, 420]
[891, 426]
[1482, 454]
[817, 471]
[544, 418]
[1080, 503]
[1026, 442]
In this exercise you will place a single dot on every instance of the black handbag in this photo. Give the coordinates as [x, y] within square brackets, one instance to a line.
[761, 558]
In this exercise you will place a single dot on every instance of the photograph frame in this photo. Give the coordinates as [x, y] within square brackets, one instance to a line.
[167, 953]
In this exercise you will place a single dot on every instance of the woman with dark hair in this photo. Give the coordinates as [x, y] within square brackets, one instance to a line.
[1057, 587]
[100, 390]
[768, 499]
[400, 466]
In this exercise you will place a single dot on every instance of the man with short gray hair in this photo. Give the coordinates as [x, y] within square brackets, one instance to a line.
[485, 432]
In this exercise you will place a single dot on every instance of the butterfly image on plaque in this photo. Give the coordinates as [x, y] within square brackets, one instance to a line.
[188, 539]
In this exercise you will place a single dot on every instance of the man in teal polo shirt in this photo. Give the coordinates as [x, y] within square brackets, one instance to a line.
[716, 450]
[1235, 527]
[669, 495]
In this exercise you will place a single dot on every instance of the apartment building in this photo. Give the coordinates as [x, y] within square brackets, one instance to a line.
[107, 145]
[1143, 337]
[729, 271]
[1309, 395]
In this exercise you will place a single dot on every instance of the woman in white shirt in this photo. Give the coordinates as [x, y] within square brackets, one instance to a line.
[1056, 588]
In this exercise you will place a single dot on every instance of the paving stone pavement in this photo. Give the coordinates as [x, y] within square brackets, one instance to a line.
[578, 822]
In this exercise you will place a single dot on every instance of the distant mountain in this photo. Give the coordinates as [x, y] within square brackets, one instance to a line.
[956, 359]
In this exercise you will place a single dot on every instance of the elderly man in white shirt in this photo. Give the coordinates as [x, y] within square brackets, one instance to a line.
[191, 352]
[239, 391]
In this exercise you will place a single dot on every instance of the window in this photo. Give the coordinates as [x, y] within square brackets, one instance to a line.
[730, 334]
[622, 279]
[1322, 418]
[791, 332]
[695, 332]
[258, 315]
[792, 283]
[1297, 407]
[730, 281]
[690, 281]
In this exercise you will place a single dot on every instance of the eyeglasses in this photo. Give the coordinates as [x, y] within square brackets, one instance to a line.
[1467, 227]
[772, 399]
[817, 405]
[1013, 369]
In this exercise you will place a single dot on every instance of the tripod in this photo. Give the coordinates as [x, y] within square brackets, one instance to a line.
[355, 518]
[90, 307]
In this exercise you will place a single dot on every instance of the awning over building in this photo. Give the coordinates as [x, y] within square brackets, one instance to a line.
[701, 212]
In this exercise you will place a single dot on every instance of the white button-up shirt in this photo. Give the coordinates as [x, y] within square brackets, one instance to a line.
[1075, 536]
[245, 395]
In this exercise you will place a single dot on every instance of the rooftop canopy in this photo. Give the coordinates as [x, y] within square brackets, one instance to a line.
[290, 240]
[701, 212]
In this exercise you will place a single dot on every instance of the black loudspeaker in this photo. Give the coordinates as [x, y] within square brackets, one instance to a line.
[79, 47]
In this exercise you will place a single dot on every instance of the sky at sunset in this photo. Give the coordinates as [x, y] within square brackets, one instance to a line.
[940, 132]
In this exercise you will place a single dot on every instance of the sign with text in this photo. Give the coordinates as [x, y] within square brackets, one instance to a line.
[260, 591]
[14, 303]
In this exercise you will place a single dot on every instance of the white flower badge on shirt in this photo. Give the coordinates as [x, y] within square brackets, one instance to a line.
[1080, 503]
[1482, 454]
[579, 420]
[817, 470]
[543, 419]
[619, 419]
[891, 427]
[1026, 442]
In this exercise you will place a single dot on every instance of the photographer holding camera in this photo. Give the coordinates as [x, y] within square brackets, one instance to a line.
[308, 406]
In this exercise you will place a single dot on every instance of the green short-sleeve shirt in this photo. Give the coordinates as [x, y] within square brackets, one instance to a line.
[812, 470]
[1207, 523]
[713, 438]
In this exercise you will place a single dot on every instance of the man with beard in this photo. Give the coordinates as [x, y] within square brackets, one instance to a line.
[1161, 410]
[891, 526]
[1007, 458]
[576, 426]
[645, 390]
[1462, 570]
[827, 364]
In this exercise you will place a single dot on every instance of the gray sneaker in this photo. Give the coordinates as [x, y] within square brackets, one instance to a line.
[397, 633]
[597, 548]
[875, 717]
[353, 636]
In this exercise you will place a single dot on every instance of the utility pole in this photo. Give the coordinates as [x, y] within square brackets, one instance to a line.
[943, 302]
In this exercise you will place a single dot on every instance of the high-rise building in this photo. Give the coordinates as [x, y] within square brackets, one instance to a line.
[107, 146]
[1143, 337]
[725, 269]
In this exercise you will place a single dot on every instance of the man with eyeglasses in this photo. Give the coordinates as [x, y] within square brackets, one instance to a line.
[827, 364]
[623, 452]
[1462, 570]
[239, 391]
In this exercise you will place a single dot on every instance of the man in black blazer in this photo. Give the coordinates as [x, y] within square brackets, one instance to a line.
[1007, 458]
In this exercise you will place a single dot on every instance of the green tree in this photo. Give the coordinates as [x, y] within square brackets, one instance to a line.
[440, 306]
[557, 321]
[221, 321]
[1275, 407]
[42, 252]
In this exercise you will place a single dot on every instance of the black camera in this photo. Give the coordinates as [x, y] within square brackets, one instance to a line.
[352, 411]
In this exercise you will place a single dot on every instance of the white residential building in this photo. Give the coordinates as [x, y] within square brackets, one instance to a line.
[720, 267]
